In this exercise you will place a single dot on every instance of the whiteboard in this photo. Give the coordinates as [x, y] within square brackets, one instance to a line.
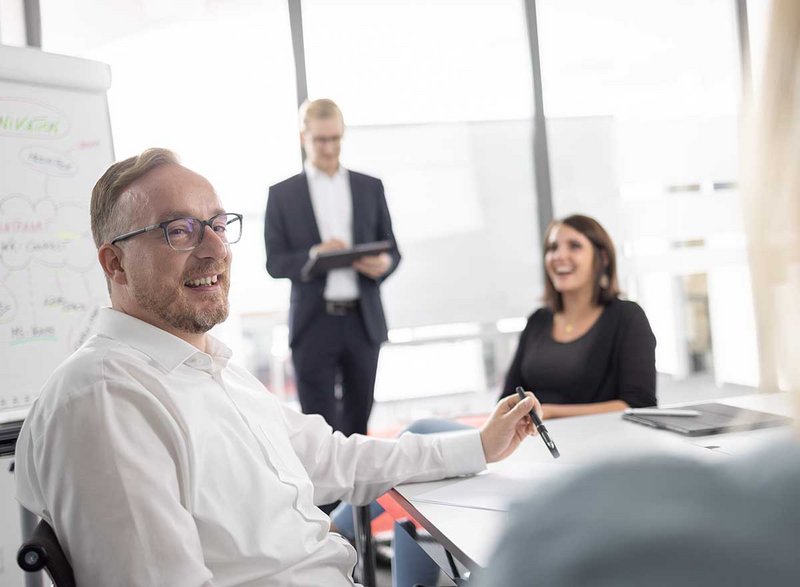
[55, 142]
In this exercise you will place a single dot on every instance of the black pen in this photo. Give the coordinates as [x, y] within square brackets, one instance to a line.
[540, 427]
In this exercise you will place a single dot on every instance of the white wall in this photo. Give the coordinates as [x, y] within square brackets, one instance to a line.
[733, 326]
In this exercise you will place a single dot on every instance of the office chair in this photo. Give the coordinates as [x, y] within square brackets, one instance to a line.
[43, 552]
[364, 572]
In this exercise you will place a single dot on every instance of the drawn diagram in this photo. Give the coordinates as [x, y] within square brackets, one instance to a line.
[50, 284]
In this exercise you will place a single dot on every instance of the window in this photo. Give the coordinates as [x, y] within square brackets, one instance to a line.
[642, 102]
[214, 82]
[439, 107]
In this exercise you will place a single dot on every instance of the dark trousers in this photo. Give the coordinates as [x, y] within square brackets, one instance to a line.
[336, 349]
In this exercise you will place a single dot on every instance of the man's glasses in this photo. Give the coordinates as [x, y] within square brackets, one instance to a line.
[334, 140]
[185, 234]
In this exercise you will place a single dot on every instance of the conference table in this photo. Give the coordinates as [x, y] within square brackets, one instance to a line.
[466, 516]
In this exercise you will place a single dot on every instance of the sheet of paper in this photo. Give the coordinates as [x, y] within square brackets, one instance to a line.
[497, 488]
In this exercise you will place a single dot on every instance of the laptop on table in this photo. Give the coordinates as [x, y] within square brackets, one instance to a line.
[713, 419]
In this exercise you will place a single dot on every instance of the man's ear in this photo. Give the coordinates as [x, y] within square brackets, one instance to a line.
[110, 257]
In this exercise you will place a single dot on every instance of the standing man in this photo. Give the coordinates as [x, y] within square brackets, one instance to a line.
[336, 321]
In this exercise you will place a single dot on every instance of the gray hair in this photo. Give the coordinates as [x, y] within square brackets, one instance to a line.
[106, 223]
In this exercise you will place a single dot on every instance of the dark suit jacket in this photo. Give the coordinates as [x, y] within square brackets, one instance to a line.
[290, 230]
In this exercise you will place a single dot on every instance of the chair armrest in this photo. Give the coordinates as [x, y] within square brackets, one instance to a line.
[43, 552]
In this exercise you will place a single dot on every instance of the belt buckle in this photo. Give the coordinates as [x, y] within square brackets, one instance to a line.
[336, 308]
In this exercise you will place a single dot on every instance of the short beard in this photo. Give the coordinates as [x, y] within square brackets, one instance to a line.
[172, 312]
[196, 324]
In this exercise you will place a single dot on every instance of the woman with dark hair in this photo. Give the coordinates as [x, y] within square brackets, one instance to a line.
[587, 351]
[665, 520]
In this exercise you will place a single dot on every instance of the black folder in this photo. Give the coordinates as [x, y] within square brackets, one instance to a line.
[324, 262]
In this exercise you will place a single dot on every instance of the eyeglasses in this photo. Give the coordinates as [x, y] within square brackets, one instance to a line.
[185, 234]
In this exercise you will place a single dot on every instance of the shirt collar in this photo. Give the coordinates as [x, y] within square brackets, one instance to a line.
[166, 349]
[315, 172]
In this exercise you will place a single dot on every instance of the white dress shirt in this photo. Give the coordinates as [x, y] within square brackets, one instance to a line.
[332, 201]
[158, 464]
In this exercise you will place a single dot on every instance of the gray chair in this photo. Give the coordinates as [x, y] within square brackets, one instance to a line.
[43, 552]
[364, 572]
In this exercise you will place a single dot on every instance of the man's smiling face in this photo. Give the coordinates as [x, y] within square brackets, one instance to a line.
[182, 292]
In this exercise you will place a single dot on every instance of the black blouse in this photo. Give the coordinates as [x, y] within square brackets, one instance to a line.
[615, 359]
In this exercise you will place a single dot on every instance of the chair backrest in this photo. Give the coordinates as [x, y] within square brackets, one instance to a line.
[43, 552]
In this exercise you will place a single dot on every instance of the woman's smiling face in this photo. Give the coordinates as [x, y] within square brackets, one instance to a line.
[569, 259]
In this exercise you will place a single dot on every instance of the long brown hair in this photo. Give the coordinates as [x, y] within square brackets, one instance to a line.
[605, 261]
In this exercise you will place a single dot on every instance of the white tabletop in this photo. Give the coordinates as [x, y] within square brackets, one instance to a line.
[470, 533]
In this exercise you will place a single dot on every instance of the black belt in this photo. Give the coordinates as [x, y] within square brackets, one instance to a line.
[340, 308]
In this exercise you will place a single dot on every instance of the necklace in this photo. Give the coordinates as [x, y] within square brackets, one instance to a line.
[578, 322]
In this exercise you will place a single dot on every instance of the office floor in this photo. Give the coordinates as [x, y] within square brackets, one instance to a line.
[395, 415]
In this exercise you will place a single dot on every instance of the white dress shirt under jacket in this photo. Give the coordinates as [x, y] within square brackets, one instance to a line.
[332, 202]
[158, 464]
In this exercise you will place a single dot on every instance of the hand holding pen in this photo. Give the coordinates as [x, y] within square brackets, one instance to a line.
[540, 428]
[508, 426]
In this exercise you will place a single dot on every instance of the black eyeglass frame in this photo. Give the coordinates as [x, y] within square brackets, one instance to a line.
[163, 227]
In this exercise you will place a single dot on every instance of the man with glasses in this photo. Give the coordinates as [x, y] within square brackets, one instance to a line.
[336, 319]
[157, 460]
